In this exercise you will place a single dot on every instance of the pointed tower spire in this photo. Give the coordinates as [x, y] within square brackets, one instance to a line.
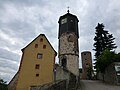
[68, 9]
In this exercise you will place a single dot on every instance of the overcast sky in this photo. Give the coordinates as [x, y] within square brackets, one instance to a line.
[23, 20]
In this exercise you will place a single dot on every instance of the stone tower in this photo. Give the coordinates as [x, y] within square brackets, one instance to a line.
[86, 65]
[68, 43]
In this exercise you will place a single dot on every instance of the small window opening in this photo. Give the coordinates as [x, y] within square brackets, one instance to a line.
[36, 45]
[44, 46]
[64, 63]
[41, 39]
[84, 53]
[85, 59]
[71, 20]
[86, 63]
[39, 56]
[37, 66]
[37, 75]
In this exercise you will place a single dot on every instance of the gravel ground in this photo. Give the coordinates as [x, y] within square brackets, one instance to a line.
[96, 85]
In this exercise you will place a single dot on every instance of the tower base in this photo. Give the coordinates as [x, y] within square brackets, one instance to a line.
[72, 81]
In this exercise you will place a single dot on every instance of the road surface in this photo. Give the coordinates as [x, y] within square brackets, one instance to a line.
[96, 85]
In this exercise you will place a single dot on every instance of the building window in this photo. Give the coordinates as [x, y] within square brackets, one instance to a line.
[64, 62]
[41, 39]
[39, 56]
[37, 75]
[36, 45]
[37, 66]
[84, 53]
[44, 46]
[71, 20]
[86, 63]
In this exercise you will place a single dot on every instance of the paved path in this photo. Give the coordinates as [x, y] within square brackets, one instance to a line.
[96, 85]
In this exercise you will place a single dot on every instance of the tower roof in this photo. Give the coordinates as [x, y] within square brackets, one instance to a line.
[68, 23]
[68, 14]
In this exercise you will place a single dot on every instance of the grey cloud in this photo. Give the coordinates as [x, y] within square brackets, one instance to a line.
[23, 20]
[20, 29]
[22, 2]
[8, 68]
[97, 11]
[9, 55]
[6, 73]
[9, 64]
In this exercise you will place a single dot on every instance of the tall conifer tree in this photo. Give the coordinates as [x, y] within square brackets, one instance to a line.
[103, 40]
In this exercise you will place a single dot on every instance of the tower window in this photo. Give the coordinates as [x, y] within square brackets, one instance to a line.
[71, 20]
[86, 63]
[39, 56]
[41, 39]
[37, 75]
[84, 53]
[36, 45]
[37, 66]
[44, 46]
[64, 63]
[63, 20]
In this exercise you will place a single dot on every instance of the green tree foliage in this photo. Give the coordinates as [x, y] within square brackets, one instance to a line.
[89, 73]
[106, 59]
[3, 85]
[103, 40]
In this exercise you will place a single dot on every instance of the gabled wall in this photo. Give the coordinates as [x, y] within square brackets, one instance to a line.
[28, 71]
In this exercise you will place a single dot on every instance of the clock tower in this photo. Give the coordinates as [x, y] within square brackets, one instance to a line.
[68, 43]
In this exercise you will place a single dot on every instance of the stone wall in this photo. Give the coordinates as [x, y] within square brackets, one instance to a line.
[68, 47]
[72, 81]
[58, 85]
[110, 75]
[100, 76]
[61, 73]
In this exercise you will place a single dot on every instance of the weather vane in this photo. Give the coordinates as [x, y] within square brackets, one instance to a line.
[68, 9]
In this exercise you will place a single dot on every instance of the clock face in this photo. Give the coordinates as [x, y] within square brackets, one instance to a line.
[63, 20]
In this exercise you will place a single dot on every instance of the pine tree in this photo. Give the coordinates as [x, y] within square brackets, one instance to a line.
[103, 40]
